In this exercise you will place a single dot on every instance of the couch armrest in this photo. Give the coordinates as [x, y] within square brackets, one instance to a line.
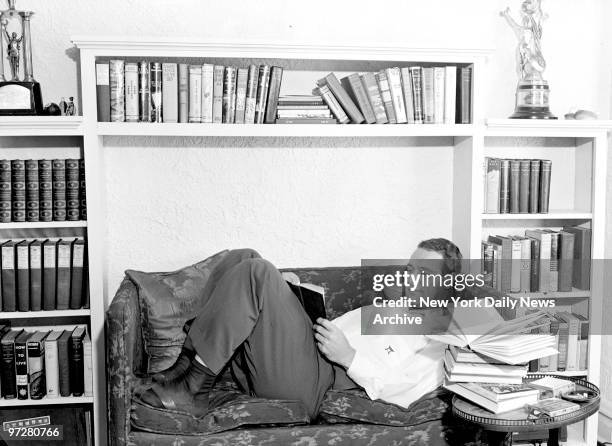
[124, 356]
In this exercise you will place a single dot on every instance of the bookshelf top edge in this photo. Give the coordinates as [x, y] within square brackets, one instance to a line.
[579, 127]
[117, 45]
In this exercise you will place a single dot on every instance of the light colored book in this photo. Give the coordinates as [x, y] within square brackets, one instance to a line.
[218, 73]
[195, 93]
[439, 94]
[207, 92]
[131, 92]
[241, 92]
[52, 364]
[170, 92]
[483, 368]
[450, 94]
[496, 407]
[394, 79]
[251, 95]
[407, 89]
[183, 92]
[87, 366]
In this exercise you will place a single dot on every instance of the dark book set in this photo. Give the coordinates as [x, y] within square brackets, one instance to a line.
[42, 190]
[44, 274]
[516, 186]
[169, 92]
[44, 363]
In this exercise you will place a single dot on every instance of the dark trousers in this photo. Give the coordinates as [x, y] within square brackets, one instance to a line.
[252, 317]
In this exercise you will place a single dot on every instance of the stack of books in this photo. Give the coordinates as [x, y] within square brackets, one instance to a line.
[42, 190]
[516, 186]
[543, 260]
[464, 365]
[303, 109]
[51, 364]
[496, 398]
[44, 274]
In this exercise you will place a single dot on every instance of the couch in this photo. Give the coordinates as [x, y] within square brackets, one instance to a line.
[347, 418]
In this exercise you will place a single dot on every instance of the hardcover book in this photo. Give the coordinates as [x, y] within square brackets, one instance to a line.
[218, 74]
[524, 175]
[45, 190]
[464, 95]
[64, 249]
[76, 277]
[36, 275]
[229, 95]
[117, 90]
[450, 94]
[262, 93]
[416, 77]
[170, 92]
[429, 106]
[87, 366]
[63, 358]
[52, 364]
[18, 190]
[439, 94]
[394, 79]
[241, 91]
[82, 191]
[471, 391]
[195, 93]
[515, 168]
[504, 187]
[132, 113]
[58, 174]
[545, 241]
[545, 166]
[534, 186]
[156, 92]
[73, 212]
[103, 92]
[9, 285]
[36, 364]
[385, 94]
[23, 275]
[207, 92]
[5, 191]
[333, 104]
[407, 89]
[492, 185]
[342, 96]
[32, 194]
[77, 384]
[581, 271]
[144, 91]
[22, 377]
[9, 384]
[251, 95]
[371, 87]
[49, 274]
[276, 77]
[183, 92]
[354, 87]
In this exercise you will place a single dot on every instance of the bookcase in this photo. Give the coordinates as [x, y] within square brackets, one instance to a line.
[577, 147]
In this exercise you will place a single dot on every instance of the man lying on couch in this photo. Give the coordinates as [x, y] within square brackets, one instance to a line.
[253, 319]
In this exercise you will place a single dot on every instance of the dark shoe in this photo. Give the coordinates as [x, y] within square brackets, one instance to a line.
[188, 393]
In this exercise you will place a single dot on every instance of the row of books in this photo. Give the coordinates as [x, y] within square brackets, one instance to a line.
[42, 190]
[541, 261]
[303, 109]
[169, 92]
[45, 364]
[44, 274]
[516, 186]
[412, 95]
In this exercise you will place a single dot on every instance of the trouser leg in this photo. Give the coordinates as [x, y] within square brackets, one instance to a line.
[252, 308]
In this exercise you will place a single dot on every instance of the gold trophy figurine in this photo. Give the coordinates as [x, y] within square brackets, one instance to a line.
[532, 93]
[17, 97]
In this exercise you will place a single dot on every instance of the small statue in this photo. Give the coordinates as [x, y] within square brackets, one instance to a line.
[530, 61]
[71, 108]
[13, 51]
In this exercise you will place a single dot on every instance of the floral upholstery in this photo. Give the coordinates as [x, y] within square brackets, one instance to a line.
[347, 418]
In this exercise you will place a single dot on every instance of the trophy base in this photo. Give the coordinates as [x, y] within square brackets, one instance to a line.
[532, 100]
[20, 98]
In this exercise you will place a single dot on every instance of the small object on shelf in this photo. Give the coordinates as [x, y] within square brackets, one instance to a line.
[580, 396]
[551, 407]
[552, 387]
[71, 109]
[581, 114]
[63, 106]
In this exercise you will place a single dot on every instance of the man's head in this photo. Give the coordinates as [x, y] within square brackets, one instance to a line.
[438, 255]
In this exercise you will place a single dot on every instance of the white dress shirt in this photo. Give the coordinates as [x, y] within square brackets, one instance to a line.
[398, 369]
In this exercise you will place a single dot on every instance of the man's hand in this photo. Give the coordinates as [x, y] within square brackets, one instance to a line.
[333, 344]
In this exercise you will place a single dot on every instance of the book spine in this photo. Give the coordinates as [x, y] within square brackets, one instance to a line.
[545, 260]
[416, 77]
[218, 74]
[524, 174]
[9, 292]
[117, 90]
[450, 94]
[487, 263]
[156, 92]
[207, 92]
[333, 104]
[553, 284]
[229, 82]
[76, 277]
[103, 92]
[23, 276]
[262, 93]
[45, 192]
[464, 105]
[49, 275]
[546, 166]
[87, 367]
[276, 78]
[385, 93]
[9, 387]
[504, 187]
[36, 369]
[82, 191]
[63, 275]
[32, 191]
[515, 281]
[306, 121]
[18, 190]
[515, 167]
[144, 92]
[63, 359]
[35, 275]
[534, 186]
[58, 174]
[371, 87]
[51, 369]
[132, 113]
[5, 191]
[183, 92]
[439, 94]
[170, 92]
[397, 95]
[428, 96]
[360, 96]
[407, 90]
[572, 343]
[241, 90]
[195, 93]
[525, 265]
[72, 190]
[251, 95]
[343, 98]
[21, 368]
[493, 185]
[76, 366]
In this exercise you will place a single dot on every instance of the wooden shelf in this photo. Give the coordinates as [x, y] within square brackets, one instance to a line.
[47, 401]
[41, 125]
[555, 215]
[43, 224]
[284, 130]
[575, 293]
[43, 314]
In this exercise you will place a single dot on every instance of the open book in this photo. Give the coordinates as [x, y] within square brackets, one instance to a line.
[312, 298]
[510, 342]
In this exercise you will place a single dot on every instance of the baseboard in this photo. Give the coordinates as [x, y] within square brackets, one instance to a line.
[604, 429]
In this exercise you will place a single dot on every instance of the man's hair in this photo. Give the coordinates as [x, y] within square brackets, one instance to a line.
[449, 251]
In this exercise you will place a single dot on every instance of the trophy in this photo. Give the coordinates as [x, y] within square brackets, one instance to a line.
[17, 97]
[532, 92]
